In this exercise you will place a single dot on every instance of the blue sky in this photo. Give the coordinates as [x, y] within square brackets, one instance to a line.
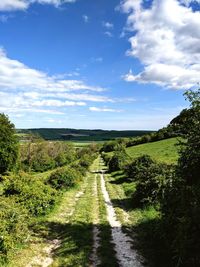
[97, 64]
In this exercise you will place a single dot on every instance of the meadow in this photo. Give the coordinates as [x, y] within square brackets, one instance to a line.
[162, 151]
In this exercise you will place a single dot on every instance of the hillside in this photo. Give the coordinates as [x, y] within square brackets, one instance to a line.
[163, 151]
[79, 134]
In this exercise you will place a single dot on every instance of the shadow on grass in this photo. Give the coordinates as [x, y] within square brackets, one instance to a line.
[148, 234]
[125, 204]
[76, 244]
[121, 180]
[151, 243]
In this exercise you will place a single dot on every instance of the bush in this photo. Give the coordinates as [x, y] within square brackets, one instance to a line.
[32, 193]
[118, 160]
[151, 179]
[64, 178]
[106, 157]
[82, 170]
[13, 226]
[138, 167]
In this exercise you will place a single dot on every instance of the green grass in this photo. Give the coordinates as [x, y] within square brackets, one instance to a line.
[163, 151]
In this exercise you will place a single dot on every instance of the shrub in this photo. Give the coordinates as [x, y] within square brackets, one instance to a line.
[13, 226]
[117, 161]
[32, 193]
[64, 178]
[85, 161]
[150, 177]
[82, 170]
[138, 166]
[106, 157]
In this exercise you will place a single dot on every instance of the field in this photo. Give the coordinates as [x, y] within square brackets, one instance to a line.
[162, 151]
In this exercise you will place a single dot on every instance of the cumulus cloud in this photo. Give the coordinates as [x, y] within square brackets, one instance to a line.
[166, 41]
[104, 109]
[12, 5]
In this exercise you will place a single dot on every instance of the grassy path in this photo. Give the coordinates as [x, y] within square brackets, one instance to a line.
[82, 231]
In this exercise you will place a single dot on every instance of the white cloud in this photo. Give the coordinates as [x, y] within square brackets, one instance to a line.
[107, 25]
[108, 33]
[23, 89]
[104, 109]
[85, 18]
[15, 75]
[12, 5]
[57, 103]
[166, 41]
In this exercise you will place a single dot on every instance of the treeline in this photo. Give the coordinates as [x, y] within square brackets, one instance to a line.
[174, 190]
[25, 196]
[79, 134]
[178, 127]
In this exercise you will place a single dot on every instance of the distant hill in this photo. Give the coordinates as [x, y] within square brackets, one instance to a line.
[80, 135]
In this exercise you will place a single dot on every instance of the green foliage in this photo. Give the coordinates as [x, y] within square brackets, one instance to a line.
[138, 167]
[189, 162]
[64, 178]
[106, 157]
[181, 203]
[8, 144]
[150, 177]
[118, 160]
[43, 156]
[13, 226]
[33, 194]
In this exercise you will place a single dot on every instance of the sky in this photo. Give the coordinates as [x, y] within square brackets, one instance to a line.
[97, 64]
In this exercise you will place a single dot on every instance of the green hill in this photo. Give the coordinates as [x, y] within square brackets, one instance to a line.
[163, 151]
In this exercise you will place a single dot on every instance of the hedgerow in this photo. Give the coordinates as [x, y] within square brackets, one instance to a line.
[13, 226]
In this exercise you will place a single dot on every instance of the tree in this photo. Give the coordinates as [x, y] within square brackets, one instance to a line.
[8, 144]
[181, 203]
[189, 163]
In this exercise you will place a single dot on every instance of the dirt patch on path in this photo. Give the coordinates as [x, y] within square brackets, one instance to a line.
[126, 256]
[46, 259]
